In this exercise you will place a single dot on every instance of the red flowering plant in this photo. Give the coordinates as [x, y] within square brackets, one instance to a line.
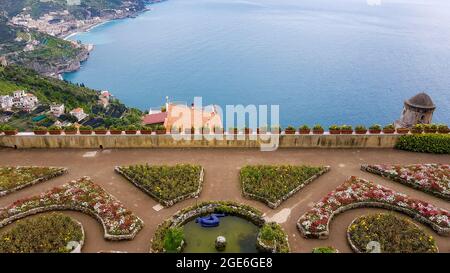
[431, 178]
[356, 192]
[83, 195]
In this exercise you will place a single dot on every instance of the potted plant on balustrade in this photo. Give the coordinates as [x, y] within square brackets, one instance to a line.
[247, 131]
[218, 130]
[304, 130]
[131, 130]
[160, 130]
[86, 130]
[275, 129]
[430, 128]
[417, 129]
[40, 130]
[146, 130]
[206, 130]
[443, 129]
[101, 130]
[9, 130]
[261, 130]
[70, 130]
[360, 130]
[375, 129]
[318, 129]
[402, 131]
[389, 129]
[54, 130]
[190, 131]
[290, 130]
[334, 129]
[233, 131]
[116, 130]
[346, 129]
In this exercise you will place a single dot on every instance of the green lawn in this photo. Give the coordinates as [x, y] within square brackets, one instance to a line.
[6, 88]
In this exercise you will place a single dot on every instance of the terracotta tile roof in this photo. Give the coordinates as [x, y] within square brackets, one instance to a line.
[155, 118]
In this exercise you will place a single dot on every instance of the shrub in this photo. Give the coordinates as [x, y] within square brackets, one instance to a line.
[426, 143]
[165, 183]
[271, 234]
[324, 249]
[304, 127]
[85, 128]
[443, 128]
[394, 234]
[173, 239]
[318, 127]
[389, 127]
[70, 128]
[100, 128]
[290, 128]
[334, 127]
[360, 128]
[39, 128]
[346, 127]
[273, 184]
[8, 127]
[43, 234]
[375, 127]
[160, 127]
[54, 128]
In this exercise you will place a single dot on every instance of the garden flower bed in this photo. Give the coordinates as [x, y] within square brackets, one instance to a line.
[167, 184]
[325, 249]
[272, 239]
[15, 178]
[274, 184]
[431, 178]
[393, 234]
[81, 195]
[356, 193]
[54, 233]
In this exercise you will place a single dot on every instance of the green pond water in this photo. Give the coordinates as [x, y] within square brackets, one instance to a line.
[240, 234]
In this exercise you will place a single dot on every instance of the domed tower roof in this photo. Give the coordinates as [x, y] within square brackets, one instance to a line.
[421, 100]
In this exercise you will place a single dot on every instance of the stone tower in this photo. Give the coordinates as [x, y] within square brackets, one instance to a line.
[418, 109]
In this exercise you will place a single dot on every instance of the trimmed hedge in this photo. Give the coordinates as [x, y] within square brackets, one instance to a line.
[43, 234]
[425, 143]
[394, 235]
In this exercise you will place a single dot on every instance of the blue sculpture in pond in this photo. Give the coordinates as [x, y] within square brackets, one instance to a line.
[211, 220]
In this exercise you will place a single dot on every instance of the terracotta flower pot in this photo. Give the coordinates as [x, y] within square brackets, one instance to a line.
[100, 132]
[416, 131]
[70, 132]
[160, 132]
[318, 131]
[304, 131]
[130, 132]
[40, 132]
[55, 132]
[430, 131]
[346, 132]
[146, 132]
[289, 132]
[388, 131]
[10, 132]
[247, 131]
[444, 131]
[234, 131]
[402, 131]
[115, 132]
[86, 132]
[360, 132]
[335, 132]
[373, 131]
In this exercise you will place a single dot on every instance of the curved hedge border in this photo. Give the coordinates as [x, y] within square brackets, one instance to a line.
[426, 180]
[401, 226]
[164, 202]
[55, 171]
[81, 195]
[75, 222]
[185, 215]
[360, 193]
[275, 204]
[425, 143]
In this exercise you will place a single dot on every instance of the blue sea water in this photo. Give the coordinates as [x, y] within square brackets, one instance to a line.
[322, 61]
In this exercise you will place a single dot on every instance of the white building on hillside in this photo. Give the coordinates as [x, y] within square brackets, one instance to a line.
[24, 101]
[6, 103]
[57, 109]
[78, 113]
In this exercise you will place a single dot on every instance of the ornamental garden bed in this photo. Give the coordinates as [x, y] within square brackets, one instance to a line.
[53, 233]
[390, 233]
[357, 193]
[325, 249]
[167, 184]
[15, 178]
[83, 195]
[168, 236]
[430, 178]
[274, 184]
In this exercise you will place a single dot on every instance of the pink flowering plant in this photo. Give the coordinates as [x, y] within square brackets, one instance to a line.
[431, 178]
[356, 193]
[81, 195]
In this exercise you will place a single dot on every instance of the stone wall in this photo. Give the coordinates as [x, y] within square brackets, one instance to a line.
[167, 141]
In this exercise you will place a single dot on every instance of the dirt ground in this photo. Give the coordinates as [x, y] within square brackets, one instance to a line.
[221, 183]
